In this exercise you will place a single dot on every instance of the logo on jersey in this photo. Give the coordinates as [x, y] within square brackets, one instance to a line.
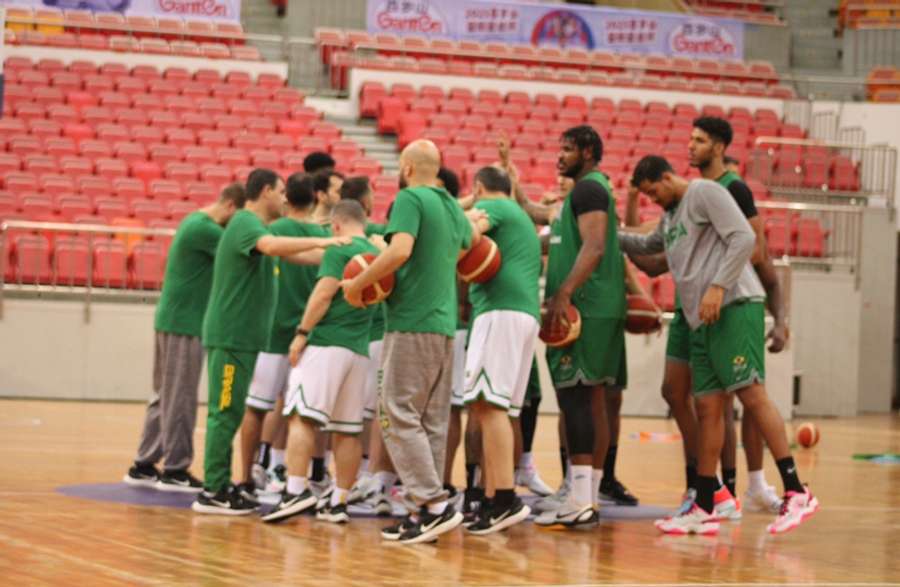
[564, 29]
[739, 364]
[674, 233]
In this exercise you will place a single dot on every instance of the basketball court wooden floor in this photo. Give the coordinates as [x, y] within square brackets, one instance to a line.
[48, 538]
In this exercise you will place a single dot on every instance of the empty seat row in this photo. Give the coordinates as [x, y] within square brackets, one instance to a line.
[129, 44]
[51, 20]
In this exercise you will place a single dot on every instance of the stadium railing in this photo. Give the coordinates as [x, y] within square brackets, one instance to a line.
[81, 262]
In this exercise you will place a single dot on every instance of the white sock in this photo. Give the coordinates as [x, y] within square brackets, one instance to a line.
[596, 478]
[581, 484]
[363, 467]
[569, 472]
[338, 496]
[386, 480]
[296, 485]
[757, 480]
[436, 509]
[277, 457]
[526, 461]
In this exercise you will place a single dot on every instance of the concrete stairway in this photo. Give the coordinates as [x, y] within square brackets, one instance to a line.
[813, 44]
[380, 148]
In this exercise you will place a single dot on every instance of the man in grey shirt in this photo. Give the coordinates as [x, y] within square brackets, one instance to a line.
[708, 245]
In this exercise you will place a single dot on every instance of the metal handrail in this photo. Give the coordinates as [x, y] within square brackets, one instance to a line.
[61, 227]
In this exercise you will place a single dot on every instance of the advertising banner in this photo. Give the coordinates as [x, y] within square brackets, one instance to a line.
[563, 26]
[193, 9]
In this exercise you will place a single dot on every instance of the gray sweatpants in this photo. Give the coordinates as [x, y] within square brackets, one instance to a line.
[417, 372]
[169, 425]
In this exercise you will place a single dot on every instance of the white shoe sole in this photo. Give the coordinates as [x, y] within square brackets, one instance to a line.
[432, 534]
[151, 483]
[295, 510]
[171, 488]
[341, 519]
[211, 509]
[810, 509]
[508, 522]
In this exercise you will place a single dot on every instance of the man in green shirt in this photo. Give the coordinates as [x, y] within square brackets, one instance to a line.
[237, 323]
[295, 283]
[330, 355]
[427, 233]
[505, 313]
[168, 433]
[586, 269]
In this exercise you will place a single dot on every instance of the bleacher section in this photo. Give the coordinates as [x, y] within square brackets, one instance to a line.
[343, 50]
[110, 31]
[883, 84]
[109, 144]
[755, 11]
[863, 13]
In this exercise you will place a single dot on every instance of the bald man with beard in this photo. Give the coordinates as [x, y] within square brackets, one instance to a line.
[427, 233]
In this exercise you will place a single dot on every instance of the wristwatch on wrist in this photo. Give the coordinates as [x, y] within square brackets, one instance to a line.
[302, 332]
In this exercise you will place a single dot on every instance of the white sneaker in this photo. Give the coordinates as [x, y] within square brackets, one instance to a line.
[765, 499]
[277, 479]
[260, 476]
[553, 502]
[530, 479]
[570, 515]
[795, 508]
[726, 506]
[365, 487]
[695, 521]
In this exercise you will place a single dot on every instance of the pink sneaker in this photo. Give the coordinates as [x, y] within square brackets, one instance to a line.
[726, 506]
[795, 508]
[695, 521]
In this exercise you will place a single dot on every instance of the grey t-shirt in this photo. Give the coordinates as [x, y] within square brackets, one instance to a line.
[707, 241]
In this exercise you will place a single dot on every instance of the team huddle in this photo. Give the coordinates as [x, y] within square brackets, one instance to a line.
[310, 370]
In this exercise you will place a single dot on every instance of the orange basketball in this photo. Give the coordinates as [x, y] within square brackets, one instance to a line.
[481, 263]
[378, 291]
[642, 317]
[564, 336]
[807, 435]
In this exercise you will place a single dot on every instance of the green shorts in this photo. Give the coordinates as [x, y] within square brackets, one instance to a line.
[596, 358]
[729, 354]
[678, 342]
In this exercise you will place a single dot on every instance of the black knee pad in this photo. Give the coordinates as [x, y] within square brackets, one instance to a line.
[575, 403]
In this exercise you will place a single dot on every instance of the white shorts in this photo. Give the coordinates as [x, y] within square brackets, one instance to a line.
[270, 377]
[458, 387]
[372, 379]
[498, 361]
[328, 385]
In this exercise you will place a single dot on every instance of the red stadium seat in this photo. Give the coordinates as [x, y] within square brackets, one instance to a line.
[148, 261]
[110, 264]
[31, 259]
[71, 260]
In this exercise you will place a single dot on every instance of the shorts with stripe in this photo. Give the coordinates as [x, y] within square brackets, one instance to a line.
[270, 377]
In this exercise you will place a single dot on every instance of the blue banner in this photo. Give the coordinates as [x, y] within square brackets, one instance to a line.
[562, 26]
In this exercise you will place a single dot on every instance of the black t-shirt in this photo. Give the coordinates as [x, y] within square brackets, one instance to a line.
[589, 196]
[744, 198]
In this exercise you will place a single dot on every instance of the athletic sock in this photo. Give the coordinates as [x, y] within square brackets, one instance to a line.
[296, 485]
[277, 457]
[451, 489]
[729, 478]
[472, 475]
[503, 499]
[789, 477]
[386, 479]
[564, 462]
[581, 484]
[706, 488]
[757, 480]
[318, 469]
[526, 461]
[262, 457]
[596, 480]
[609, 465]
[338, 496]
[691, 475]
[364, 465]
[436, 509]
